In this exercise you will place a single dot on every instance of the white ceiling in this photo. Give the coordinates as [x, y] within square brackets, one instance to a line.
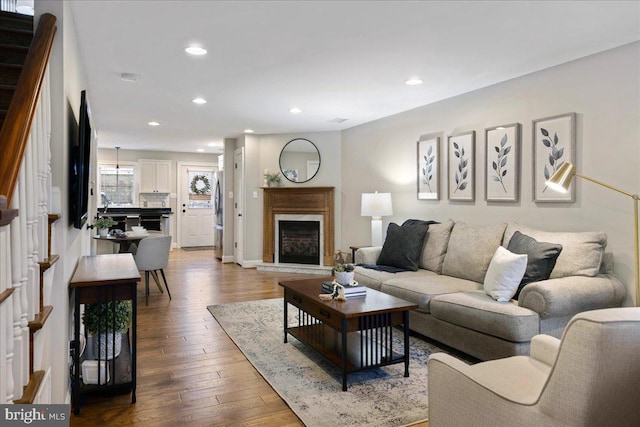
[332, 59]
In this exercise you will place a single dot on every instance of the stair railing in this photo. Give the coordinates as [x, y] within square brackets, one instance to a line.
[15, 132]
[25, 185]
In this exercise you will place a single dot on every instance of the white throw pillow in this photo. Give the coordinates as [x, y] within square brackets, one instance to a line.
[504, 274]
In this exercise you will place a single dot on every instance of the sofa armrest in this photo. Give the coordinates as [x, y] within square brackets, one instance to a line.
[544, 348]
[568, 296]
[368, 255]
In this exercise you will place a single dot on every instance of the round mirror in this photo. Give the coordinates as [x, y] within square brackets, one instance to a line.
[299, 160]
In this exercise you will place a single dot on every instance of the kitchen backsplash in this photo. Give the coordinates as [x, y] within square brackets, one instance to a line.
[154, 200]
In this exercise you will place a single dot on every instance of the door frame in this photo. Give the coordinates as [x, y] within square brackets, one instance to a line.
[238, 194]
[179, 193]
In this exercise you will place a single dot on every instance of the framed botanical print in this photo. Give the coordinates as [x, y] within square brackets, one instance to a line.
[502, 169]
[461, 158]
[429, 167]
[554, 142]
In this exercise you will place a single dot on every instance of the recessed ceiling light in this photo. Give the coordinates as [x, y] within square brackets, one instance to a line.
[195, 50]
[295, 110]
[248, 131]
[199, 100]
[413, 82]
[212, 144]
[200, 150]
[154, 124]
[129, 77]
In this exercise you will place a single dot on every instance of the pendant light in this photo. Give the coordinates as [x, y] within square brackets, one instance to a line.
[117, 171]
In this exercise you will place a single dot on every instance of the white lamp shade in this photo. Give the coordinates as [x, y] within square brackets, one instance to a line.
[376, 204]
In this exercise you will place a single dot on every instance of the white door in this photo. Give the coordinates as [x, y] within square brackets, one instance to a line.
[196, 204]
[238, 198]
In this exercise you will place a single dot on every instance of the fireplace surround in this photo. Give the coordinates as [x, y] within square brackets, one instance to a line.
[298, 201]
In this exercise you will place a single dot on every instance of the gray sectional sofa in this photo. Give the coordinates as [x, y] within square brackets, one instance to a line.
[453, 307]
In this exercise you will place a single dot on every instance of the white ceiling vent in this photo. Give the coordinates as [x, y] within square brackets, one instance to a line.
[338, 120]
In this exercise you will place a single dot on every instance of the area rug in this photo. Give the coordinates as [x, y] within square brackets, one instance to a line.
[311, 386]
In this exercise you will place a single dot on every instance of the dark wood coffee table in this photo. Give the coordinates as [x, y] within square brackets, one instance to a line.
[355, 334]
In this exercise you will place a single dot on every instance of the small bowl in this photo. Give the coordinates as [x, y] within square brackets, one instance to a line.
[138, 229]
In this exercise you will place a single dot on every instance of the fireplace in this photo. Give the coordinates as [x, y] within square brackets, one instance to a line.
[299, 242]
[299, 204]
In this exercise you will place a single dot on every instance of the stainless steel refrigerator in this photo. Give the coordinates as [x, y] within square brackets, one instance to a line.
[219, 217]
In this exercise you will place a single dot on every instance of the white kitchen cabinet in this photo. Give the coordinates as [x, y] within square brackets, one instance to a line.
[155, 176]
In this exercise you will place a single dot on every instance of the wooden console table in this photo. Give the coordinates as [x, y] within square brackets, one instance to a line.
[100, 279]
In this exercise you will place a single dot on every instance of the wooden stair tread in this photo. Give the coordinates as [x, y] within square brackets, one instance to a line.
[6, 215]
[41, 318]
[47, 263]
[31, 389]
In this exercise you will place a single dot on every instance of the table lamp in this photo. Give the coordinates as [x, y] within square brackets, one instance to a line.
[376, 205]
[561, 180]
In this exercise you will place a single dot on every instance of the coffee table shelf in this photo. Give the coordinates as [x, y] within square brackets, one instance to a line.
[328, 342]
[356, 334]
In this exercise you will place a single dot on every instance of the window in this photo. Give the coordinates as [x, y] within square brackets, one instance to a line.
[117, 184]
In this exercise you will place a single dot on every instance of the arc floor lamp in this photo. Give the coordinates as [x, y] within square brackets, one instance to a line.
[561, 180]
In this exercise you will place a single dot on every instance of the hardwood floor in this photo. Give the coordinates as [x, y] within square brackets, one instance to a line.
[189, 370]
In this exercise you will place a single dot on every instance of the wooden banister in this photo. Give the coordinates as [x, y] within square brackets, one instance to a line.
[17, 124]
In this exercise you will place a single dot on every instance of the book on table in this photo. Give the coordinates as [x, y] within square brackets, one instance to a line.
[349, 291]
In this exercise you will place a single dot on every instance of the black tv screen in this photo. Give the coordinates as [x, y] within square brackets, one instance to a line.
[79, 163]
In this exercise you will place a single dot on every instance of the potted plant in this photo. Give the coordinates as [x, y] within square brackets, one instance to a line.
[103, 224]
[273, 179]
[103, 321]
[343, 269]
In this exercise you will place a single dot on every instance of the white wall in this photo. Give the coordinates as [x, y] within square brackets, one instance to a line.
[67, 80]
[602, 89]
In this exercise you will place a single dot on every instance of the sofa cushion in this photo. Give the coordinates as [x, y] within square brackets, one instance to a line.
[403, 245]
[470, 250]
[477, 311]
[581, 251]
[504, 274]
[541, 259]
[421, 286]
[435, 246]
[374, 278]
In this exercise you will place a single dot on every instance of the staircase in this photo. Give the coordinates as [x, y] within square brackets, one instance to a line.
[16, 33]
[26, 262]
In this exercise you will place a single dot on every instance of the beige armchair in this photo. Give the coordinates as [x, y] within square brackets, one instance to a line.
[589, 378]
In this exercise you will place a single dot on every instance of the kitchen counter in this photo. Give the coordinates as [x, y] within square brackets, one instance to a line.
[135, 211]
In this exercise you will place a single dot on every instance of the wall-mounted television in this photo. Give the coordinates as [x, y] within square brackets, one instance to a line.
[79, 163]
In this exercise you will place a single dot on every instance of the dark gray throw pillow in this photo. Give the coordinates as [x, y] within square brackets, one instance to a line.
[541, 258]
[403, 245]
